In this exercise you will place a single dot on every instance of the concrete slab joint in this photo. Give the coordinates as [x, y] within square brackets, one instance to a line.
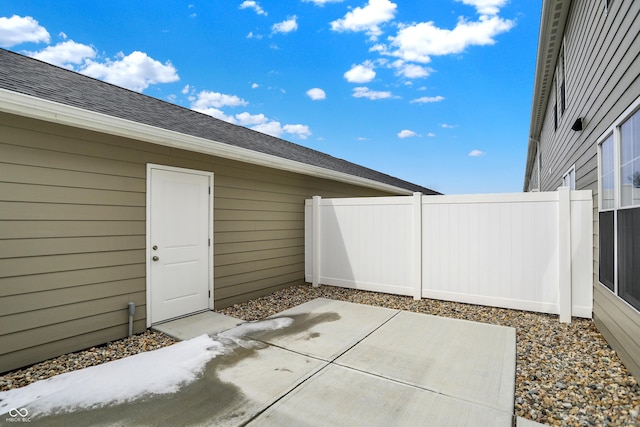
[336, 363]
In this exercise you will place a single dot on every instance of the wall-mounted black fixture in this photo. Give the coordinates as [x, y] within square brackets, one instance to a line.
[577, 126]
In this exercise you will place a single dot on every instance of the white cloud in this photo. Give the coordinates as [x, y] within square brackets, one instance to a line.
[135, 71]
[362, 73]
[250, 4]
[207, 99]
[427, 99]
[270, 128]
[217, 113]
[65, 54]
[485, 7]
[276, 129]
[255, 85]
[365, 92]
[447, 126]
[322, 2]
[19, 29]
[431, 135]
[316, 94]
[287, 26]
[476, 153]
[367, 18]
[418, 42]
[410, 71]
[246, 119]
[301, 131]
[405, 133]
[210, 103]
[185, 90]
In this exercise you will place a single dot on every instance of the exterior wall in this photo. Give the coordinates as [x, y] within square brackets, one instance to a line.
[533, 182]
[72, 234]
[602, 57]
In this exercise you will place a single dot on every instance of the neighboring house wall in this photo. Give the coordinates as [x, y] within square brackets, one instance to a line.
[602, 68]
[72, 233]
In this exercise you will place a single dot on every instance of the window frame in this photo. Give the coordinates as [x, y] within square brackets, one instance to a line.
[614, 132]
[562, 81]
[571, 174]
[629, 161]
[609, 134]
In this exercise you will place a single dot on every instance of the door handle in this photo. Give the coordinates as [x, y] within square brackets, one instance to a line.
[155, 258]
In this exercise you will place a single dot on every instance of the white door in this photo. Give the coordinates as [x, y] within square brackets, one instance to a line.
[179, 228]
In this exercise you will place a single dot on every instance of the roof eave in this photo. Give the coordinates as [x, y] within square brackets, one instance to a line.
[552, 23]
[37, 108]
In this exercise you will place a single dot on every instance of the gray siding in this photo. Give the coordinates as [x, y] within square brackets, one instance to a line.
[72, 233]
[602, 57]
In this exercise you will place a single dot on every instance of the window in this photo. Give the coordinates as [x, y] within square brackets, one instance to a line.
[569, 178]
[606, 216]
[619, 201]
[628, 256]
[630, 161]
[606, 174]
[558, 91]
[561, 83]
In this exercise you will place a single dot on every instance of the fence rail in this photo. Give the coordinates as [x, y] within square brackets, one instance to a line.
[526, 251]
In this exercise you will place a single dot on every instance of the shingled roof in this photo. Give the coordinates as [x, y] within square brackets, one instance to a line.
[29, 76]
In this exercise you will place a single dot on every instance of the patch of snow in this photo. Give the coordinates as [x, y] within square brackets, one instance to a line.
[236, 335]
[160, 371]
[157, 372]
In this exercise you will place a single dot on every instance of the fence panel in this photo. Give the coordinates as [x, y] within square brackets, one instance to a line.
[498, 250]
[366, 243]
[527, 251]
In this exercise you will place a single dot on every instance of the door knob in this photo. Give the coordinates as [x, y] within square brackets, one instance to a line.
[155, 258]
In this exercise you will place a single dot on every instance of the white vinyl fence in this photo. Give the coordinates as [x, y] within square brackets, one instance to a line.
[526, 251]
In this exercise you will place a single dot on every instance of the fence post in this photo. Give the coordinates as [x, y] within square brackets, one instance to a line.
[416, 247]
[564, 252]
[317, 244]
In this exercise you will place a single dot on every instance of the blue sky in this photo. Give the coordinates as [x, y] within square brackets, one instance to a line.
[435, 92]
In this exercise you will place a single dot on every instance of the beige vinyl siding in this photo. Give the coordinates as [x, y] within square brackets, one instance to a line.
[73, 224]
[618, 323]
[533, 182]
[602, 60]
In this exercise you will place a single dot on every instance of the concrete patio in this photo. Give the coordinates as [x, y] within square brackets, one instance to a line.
[376, 366]
[334, 363]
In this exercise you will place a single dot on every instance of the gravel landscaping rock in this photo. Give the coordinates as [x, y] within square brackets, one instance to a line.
[566, 374]
[135, 344]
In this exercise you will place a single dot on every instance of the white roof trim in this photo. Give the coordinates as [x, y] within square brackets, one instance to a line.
[41, 109]
[553, 20]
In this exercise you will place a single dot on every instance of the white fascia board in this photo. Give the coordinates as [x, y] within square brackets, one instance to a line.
[554, 15]
[54, 112]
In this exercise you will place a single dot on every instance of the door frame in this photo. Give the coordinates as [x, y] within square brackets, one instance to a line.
[150, 167]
